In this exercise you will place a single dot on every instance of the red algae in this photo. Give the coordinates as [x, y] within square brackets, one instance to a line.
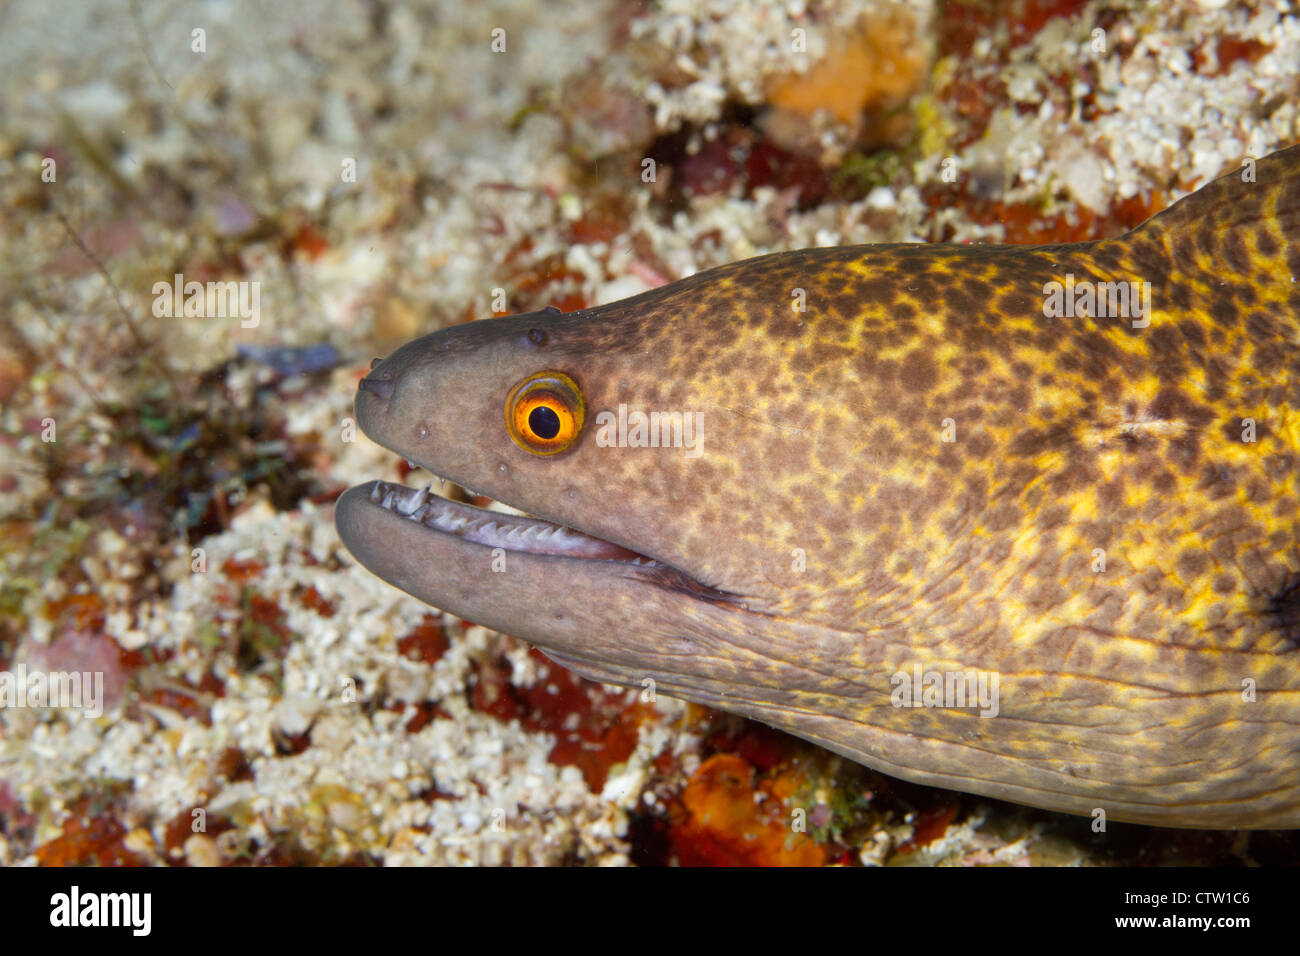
[84, 611]
[308, 241]
[1227, 52]
[92, 836]
[976, 88]
[267, 612]
[730, 821]
[742, 804]
[1028, 17]
[598, 225]
[595, 729]
[181, 827]
[425, 713]
[928, 825]
[757, 744]
[313, 600]
[187, 701]
[1026, 223]
[233, 766]
[241, 572]
[427, 641]
[962, 22]
[539, 282]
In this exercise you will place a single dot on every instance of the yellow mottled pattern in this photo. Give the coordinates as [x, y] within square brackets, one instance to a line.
[1074, 439]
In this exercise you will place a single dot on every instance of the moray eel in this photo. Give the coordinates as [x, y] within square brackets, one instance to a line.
[881, 475]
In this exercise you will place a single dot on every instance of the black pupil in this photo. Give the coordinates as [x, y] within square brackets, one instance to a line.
[544, 422]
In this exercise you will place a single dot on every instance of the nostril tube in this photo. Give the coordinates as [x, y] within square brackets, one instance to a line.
[381, 388]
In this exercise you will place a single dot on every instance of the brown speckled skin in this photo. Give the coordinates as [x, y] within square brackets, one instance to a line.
[1120, 689]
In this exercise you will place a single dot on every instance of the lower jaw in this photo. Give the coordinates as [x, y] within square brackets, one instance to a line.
[580, 606]
[526, 537]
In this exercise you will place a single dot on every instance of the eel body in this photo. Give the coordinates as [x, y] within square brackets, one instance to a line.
[834, 489]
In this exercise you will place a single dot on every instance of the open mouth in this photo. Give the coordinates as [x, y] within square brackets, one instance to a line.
[494, 529]
[523, 534]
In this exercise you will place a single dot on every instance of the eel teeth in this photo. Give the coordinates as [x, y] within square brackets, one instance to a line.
[414, 503]
[493, 530]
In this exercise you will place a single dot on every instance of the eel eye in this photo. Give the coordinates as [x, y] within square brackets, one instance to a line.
[544, 413]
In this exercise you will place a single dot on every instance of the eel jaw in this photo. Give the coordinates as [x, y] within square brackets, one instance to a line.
[495, 529]
[393, 530]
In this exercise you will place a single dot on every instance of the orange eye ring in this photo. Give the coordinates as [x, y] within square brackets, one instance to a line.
[544, 413]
